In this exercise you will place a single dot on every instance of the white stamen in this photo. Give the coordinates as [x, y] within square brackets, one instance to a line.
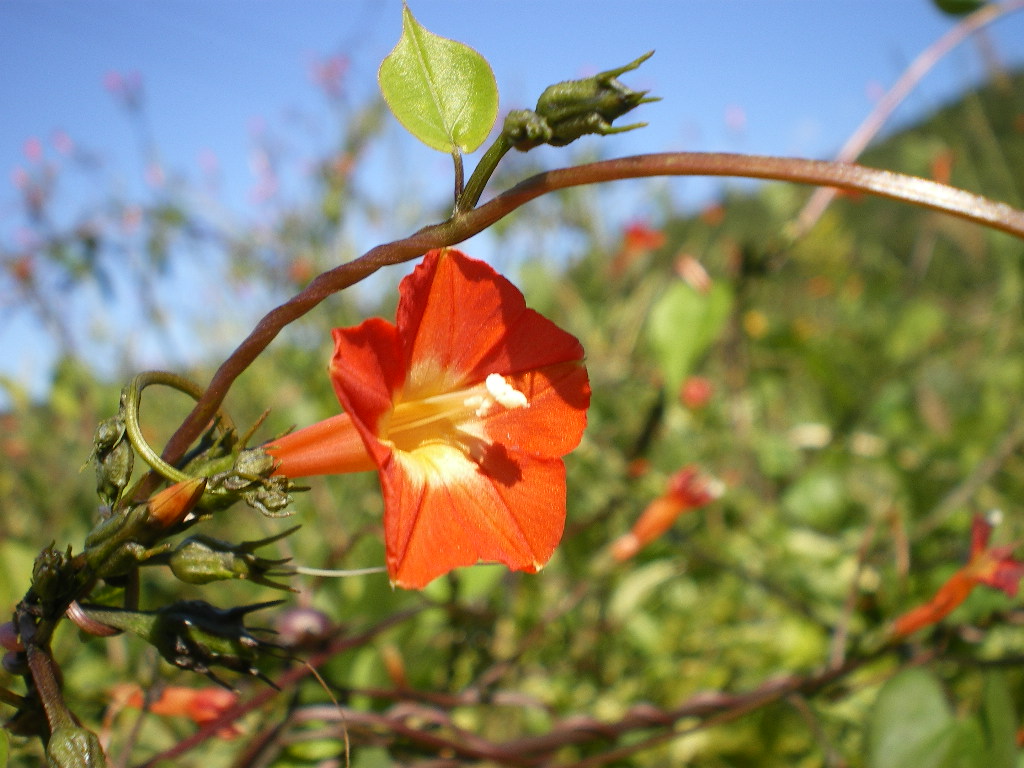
[499, 392]
[505, 393]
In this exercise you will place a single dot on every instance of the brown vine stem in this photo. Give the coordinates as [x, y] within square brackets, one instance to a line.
[910, 189]
[879, 116]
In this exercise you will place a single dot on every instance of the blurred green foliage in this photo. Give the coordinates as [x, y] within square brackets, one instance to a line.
[866, 400]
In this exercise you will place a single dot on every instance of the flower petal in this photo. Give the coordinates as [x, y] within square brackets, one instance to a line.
[367, 371]
[449, 512]
[449, 294]
[981, 532]
[553, 424]
[998, 569]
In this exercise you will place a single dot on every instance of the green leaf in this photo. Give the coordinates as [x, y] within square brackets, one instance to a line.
[1000, 722]
[911, 725]
[683, 324]
[818, 498]
[442, 91]
[959, 7]
[968, 749]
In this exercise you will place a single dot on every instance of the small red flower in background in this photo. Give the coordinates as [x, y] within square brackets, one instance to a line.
[200, 705]
[637, 239]
[464, 407]
[693, 273]
[696, 392]
[993, 567]
[687, 489]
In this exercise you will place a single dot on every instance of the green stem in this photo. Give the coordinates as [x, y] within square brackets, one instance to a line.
[481, 175]
[11, 698]
[460, 175]
[132, 403]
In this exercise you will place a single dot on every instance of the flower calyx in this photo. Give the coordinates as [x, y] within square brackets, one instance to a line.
[249, 479]
[54, 581]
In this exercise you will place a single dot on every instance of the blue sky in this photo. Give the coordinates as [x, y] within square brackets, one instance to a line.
[788, 77]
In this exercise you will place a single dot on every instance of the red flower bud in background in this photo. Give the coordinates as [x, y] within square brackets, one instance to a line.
[637, 239]
[687, 489]
[696, 392]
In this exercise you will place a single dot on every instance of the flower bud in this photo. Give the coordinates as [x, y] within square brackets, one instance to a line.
[9, 638]
[114, 459]
[201, 560]
[53, 577]
[172, 505]
[303, 629]
[566, 111]
[74, 747]
[195, 635]
[686, 490]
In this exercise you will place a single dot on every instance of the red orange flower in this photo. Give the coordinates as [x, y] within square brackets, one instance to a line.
[200, 705]
[993, 567]
[637, 239]
[464, 407]
[687, 489]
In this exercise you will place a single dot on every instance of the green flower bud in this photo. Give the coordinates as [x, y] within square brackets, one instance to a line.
[53, 578]
[114, 459]
[74, 747]
[566, 111]
[194, 635]
[201, 559]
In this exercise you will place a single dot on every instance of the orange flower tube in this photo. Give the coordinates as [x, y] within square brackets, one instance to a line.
[993, 567]
[687, 489]
[464, 406]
